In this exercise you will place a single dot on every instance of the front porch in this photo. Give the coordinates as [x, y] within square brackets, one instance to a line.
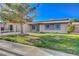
[34, 28]
[9, 28]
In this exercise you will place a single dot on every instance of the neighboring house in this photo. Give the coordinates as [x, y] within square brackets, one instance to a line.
[55, 26]
[76, 24]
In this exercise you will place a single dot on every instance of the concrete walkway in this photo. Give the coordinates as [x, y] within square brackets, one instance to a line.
[15, 49]
[20, 50]
[2, 34]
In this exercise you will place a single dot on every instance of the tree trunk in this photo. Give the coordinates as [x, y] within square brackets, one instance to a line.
[22, 32]
[21, 24]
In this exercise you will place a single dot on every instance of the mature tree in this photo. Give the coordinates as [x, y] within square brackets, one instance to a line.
[18, 13]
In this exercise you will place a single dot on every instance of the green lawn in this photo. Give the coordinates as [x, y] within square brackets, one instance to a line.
[62, 42]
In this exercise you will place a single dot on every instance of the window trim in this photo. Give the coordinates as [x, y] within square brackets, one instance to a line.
[52, 26]
[57, 28]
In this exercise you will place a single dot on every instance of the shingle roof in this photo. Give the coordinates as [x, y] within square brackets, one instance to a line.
[51, 21]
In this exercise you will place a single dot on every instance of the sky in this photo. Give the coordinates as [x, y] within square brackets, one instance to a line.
[57, 11]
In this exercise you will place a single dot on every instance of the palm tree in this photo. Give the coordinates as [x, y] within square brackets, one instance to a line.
[17, 12]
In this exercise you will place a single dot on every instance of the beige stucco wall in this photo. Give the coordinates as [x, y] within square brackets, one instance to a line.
[76, 28]
[63, 29]
[17, 27]
[26, 28]
[76, 24]
[8, 24]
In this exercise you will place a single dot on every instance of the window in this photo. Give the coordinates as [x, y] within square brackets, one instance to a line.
[57, 26]
[49, 26]
[33, 27]
[52, 26]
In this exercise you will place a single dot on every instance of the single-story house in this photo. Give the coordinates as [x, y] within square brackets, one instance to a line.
[55, 26]
[50, 26]
[76, 24]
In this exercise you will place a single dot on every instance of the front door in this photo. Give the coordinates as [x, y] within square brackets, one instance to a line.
[11, 28]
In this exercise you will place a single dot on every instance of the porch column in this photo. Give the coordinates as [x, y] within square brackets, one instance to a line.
[14, 27]
[0, 30]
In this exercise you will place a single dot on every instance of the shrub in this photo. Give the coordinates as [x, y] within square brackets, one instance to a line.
[71, 28]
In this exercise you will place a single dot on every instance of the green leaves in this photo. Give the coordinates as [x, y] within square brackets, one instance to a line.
[71, 27]
[17, 7]
[17, 11]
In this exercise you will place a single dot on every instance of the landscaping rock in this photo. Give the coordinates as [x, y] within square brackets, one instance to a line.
[33, 40]
[58, 38]
[23, 34]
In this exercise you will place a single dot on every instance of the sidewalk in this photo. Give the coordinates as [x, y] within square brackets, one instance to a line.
[56, 53]
[17, 49]
[22, 50]
[1, 34]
